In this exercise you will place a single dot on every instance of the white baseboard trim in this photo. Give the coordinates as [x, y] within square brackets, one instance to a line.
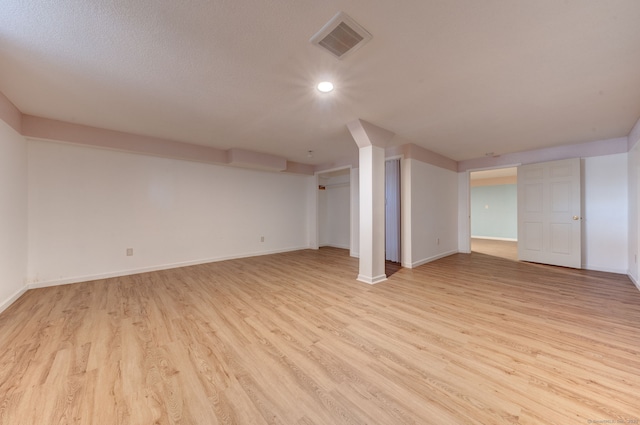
[354, 254]
[6, 303]
[335, 246]
[88, 278]
[603, 269]
[430, 259]
[635, 282]
[372, 280]
[494, 239]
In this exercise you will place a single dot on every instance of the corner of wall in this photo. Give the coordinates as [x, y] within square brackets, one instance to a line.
[634, 136]
[430, 259]
[634, 280]
[10, 114]
[14, 223]
[13, 298]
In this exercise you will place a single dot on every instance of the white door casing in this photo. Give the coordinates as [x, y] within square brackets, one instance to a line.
[549, 213]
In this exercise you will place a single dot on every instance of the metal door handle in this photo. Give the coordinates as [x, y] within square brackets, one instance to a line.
[575, 217]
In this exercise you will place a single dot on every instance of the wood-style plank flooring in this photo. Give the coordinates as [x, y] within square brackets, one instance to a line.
[294, 339]
[496, 248]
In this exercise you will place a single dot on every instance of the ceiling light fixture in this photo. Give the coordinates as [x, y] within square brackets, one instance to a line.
[325, 86]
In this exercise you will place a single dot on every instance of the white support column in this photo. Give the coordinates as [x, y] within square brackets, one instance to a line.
[372, 215]
[371, 141]
[405, 211]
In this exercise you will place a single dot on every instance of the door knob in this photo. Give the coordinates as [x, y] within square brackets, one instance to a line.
[575, 217]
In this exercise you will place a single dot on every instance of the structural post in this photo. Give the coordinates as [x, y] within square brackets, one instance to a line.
[371, 141]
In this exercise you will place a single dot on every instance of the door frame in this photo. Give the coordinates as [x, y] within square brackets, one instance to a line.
[464, 214]
[464, 210]
[315, 236]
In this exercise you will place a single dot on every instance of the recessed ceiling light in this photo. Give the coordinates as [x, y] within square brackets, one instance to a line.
[325, 86]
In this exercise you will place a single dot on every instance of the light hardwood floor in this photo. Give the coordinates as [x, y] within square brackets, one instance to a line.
[294, 339]
[504, 249]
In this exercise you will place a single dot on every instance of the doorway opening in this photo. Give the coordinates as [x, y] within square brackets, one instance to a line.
[494, 212]
[334, 209]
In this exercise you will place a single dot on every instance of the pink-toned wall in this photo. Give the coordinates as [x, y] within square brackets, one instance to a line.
[47, 129]
[581, 150]
[10, 114]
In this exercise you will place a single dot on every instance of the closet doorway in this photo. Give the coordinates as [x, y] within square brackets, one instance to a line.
[334, 209]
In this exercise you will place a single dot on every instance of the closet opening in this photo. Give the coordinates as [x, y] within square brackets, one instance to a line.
[334, 209]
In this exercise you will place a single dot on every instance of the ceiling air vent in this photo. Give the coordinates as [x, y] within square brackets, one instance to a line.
[341, 36]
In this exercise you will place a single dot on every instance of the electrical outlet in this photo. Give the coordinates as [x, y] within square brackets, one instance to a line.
[261, 238]
[129, 252]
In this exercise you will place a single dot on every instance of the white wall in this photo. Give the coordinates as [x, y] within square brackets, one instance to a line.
[633, 176]
[13, 215]
[87, 206]
[605, 243]
[434, 212]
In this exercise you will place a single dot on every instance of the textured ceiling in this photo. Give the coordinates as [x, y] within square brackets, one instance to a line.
[459, 77]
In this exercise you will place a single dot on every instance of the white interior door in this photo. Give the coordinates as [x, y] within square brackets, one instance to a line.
[549, 213]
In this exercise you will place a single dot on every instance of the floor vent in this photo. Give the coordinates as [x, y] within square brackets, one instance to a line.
[341, 36]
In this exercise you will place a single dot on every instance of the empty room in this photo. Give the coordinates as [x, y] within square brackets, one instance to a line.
[309, 213]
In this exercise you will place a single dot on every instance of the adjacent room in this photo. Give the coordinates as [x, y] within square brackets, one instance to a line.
[337, 212]
[494, 212]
